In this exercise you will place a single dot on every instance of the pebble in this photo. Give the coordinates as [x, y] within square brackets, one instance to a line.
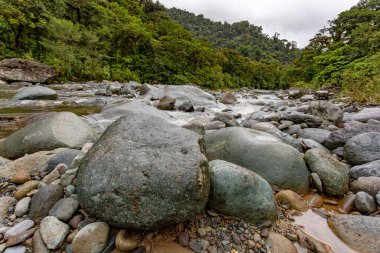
[365, 203]
[53, 232]
[236, 239]
[64, 209]
[21, 177]
[69, 190]
[204, 244]
[5, 203]
[125, 242]
[201, 232]
[25, 189]
[22, 206]
[68, 177]
[75, 220]
[195, 245]
[212, 249]
[183, 239]
[19, 238]
[16, 249]
[38, 244]
[91, 238]
[257, 237]
[19, 228]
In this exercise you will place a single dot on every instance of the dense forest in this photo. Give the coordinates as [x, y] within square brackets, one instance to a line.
[248, 39]
[142, 40]
[345, 54]
[123, 40]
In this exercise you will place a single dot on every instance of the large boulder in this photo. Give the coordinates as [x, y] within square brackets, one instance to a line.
[278, 163]
[329, 113]
[144, 173]
[371, 169]
[121, 109]
[340, 137]
[315, 134]
[240, 192]
[182, 93]
[299, 118]
[333, 174]
[64, 129]
[363, 148]
[35, 92]
[367, 114]
[25, 71]
[361, 233]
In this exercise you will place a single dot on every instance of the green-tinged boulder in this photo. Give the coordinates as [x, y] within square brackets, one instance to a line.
[278, 163]
[240, 192]
[333, 174]
[144, 173]
[59, 130]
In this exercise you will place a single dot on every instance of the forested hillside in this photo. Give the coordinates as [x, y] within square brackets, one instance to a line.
[123, 40]
[248, 39]
[345, 54]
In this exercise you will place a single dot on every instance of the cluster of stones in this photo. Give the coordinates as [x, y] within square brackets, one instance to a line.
[143, 174]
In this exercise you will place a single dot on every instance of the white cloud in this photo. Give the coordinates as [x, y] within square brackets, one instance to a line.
[294, 20]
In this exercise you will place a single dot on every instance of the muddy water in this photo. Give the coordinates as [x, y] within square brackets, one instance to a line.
[317, 227]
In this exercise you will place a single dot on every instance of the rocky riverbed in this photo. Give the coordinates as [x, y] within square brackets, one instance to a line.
[125, 167]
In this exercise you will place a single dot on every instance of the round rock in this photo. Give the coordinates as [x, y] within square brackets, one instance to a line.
[240, 192]
[144, 173]
[278, 163]
[333, 174]
[53, 232]
[363, 148]
[92, 238]
[35, 92]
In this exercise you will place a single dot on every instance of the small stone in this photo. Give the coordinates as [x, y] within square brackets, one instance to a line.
[365, 203]
[16, 249]
[183, 239]
[69, 190]
[91, 238]
[25, 189]
[19, 228]
[5, 203]
[346, 204]
[212, 249]
[125, 242]
[316, 182]
[75, 220]
[236, 239]
[228, 98]
[38, 244]
[21, 177]
[53, 232]
[201, 232]
[71, 236]
[195, 245]
[204, 244]
[68, 177]
[166, 103]
[186, 107]
[64, 209]
[256, 237]
[293, 199]
[22, 206]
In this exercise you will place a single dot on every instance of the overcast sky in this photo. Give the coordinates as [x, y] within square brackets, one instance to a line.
[294, 20]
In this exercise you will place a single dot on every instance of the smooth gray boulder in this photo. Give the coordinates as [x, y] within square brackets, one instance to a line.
[316, 134]
[367, 114]
[339, 137]
[35, 92]
[371, 169]
[361, 233]
[365, 203]
[370, 185]
[329, 113]
[299, 118]
[363, 148]
[182, 93]
[144, 173]
[59, 130]
[237, 191]
[333, 174]
[278, 163]
[121, 109]
[25, 71]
